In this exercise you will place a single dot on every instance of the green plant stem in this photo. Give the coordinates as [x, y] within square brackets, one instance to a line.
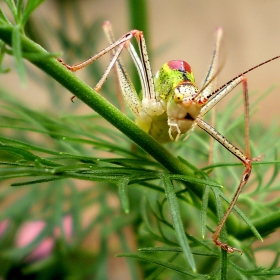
[265, 225]
[37, 56]
[224, 265]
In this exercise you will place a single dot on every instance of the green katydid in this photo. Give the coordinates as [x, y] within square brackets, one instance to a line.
[172, 104]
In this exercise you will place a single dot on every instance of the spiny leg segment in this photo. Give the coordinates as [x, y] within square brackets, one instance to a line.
[245, 158]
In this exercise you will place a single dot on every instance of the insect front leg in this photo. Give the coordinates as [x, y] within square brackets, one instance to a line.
[208, 85]
[173, 126]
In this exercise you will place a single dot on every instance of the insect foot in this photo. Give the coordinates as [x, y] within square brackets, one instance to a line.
[226, 247]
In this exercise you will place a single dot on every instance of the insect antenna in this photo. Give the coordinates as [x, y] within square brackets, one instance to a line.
[210, 81]
[238, 76]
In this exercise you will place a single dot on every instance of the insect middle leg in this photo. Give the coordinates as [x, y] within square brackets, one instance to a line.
[245, 158]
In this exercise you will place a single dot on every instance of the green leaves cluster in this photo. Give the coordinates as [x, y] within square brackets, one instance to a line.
[21, 13]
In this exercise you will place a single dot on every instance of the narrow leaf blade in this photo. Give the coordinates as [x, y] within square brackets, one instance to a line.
[177, 221]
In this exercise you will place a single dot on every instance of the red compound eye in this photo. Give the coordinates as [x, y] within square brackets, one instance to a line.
[179, 65]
